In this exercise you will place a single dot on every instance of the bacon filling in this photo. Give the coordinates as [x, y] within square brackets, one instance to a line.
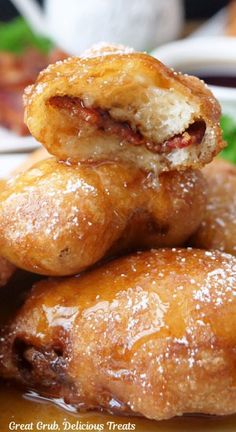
[102, 120]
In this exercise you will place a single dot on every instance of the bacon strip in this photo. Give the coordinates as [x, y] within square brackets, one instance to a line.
[103, 121]
[192, 136]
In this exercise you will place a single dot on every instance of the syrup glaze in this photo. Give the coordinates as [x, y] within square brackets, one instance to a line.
[25, 408]
[22, 408]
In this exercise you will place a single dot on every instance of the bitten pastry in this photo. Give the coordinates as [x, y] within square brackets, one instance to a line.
[218, 228]
[114, 103]
[57, 219]
[152, 334]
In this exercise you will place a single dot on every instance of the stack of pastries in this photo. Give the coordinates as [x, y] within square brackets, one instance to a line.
[133, 320]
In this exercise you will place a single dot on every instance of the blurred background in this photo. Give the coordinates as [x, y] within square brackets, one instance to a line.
[197, 37]
[194, 10]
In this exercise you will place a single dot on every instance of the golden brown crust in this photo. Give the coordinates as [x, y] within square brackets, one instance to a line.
[218, 228]
[58, 219]
[150, 334]
[114, 82]
[6, 268]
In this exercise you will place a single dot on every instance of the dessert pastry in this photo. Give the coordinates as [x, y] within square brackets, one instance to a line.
[116, 104]
[152, 334]
[57, 219]
[6, 268]
[218, 227]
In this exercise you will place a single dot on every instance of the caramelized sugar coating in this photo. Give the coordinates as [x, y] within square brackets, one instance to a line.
[218, 228]
[152, 334]
[57, 219]
[6, 271]
[114, 103]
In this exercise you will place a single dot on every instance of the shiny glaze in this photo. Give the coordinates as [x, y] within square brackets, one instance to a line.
[24, 408]
[149, 334]
[58, 219]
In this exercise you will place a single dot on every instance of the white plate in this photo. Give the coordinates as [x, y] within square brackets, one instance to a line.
[10, 142]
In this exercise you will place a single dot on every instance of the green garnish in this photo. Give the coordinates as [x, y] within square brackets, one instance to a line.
[228, 125]
[17, 36]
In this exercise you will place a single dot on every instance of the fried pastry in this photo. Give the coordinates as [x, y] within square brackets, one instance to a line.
[218, 228]
[57, 219]
[152, 334]
[117, 104]
[6, 268]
